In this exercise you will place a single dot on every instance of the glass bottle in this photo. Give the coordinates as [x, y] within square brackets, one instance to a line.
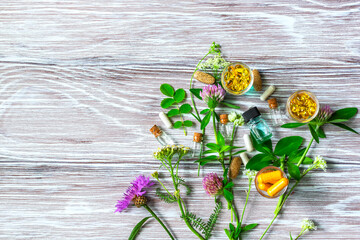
[225, 128]
[197, 146]
[277, 116]
[258, 127]
[161, 136]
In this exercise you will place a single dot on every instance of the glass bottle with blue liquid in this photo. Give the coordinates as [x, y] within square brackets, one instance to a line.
[258, 127]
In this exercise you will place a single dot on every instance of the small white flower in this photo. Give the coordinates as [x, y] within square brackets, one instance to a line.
[319, 163]
[239, 121]
[250, 174]
[215, 62]
[232, 116]
[307, 224]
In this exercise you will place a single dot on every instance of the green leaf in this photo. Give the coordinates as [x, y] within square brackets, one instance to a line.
[228, 195]
[259, 161]
[205, 120]
[313, 133]
[265, 147]
[228, 234]
[338, 120]
[167, 102]
[210, 151]
[179, 95]
[173, 112]
[213, 146]
[185, 108]
[178, 124]
[291, 238]
[205, 111]
[232, 228]
[295, 160]
[292, 125]
[249, 227]
[294, 171]
[167, 90]
[345, 127]
[137, 228]
[220, 138]
[196, 92]
[188, 123]
[229, 185]
[207, 159]
[345, 113]
[287, 145]
[320, 132]
[230, 105]
[217, 117]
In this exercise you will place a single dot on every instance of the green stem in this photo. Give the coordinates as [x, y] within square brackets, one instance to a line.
[232, 141]
[201, 151]
[269, 226]
[181, 118]
[247, 198]
[191, 81]
[164, 187]
[214, 125]
[235, 214]
[300, 234]
[158, 219]
[306, 151]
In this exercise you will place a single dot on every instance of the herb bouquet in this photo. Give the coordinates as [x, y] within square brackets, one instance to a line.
[288, 154]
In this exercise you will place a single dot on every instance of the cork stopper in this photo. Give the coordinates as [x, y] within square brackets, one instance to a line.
[197, 137]
[224, 118]
[156, 131]
[273, 103]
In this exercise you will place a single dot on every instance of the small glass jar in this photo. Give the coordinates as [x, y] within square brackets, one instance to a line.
[225, 128]
[277, 115]
[243, 72]
[161, 136]
[198, 144]
[302, 106]
[258, 127]
[265, 170]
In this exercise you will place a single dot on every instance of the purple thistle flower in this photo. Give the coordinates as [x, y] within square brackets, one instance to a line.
[136, 189]
[212, 184]
[324, 114]
[212, 95]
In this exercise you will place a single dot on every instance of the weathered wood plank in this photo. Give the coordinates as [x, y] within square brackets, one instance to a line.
[80, 90]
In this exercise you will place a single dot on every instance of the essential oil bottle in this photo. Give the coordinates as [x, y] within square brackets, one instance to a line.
[258, 127]
[161, 136]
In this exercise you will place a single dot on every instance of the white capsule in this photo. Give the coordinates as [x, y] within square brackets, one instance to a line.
[248, 144]
[267, 93]
[244, 158]
[164, 118]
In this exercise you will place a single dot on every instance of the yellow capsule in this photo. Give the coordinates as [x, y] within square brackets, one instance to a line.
[270, 177]
[264, 186]
[277, 187]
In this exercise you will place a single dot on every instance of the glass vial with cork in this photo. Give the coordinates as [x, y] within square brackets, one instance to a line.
[277, 116]
[197, 146]
[258, 127]
[161, 136]
[225, 128]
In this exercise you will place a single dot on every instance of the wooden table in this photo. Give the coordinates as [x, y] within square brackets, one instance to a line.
[80, 90]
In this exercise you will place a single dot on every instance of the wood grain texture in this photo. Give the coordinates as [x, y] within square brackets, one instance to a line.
[80, 90]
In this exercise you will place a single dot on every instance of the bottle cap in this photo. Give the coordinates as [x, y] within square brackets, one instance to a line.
[224, 118]
[197, 137]
[272, 103]
[250, 114]
[156, 131]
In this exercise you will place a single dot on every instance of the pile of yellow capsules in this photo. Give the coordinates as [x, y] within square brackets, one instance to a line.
[237, 77]
[272, 182]
[302, 106]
